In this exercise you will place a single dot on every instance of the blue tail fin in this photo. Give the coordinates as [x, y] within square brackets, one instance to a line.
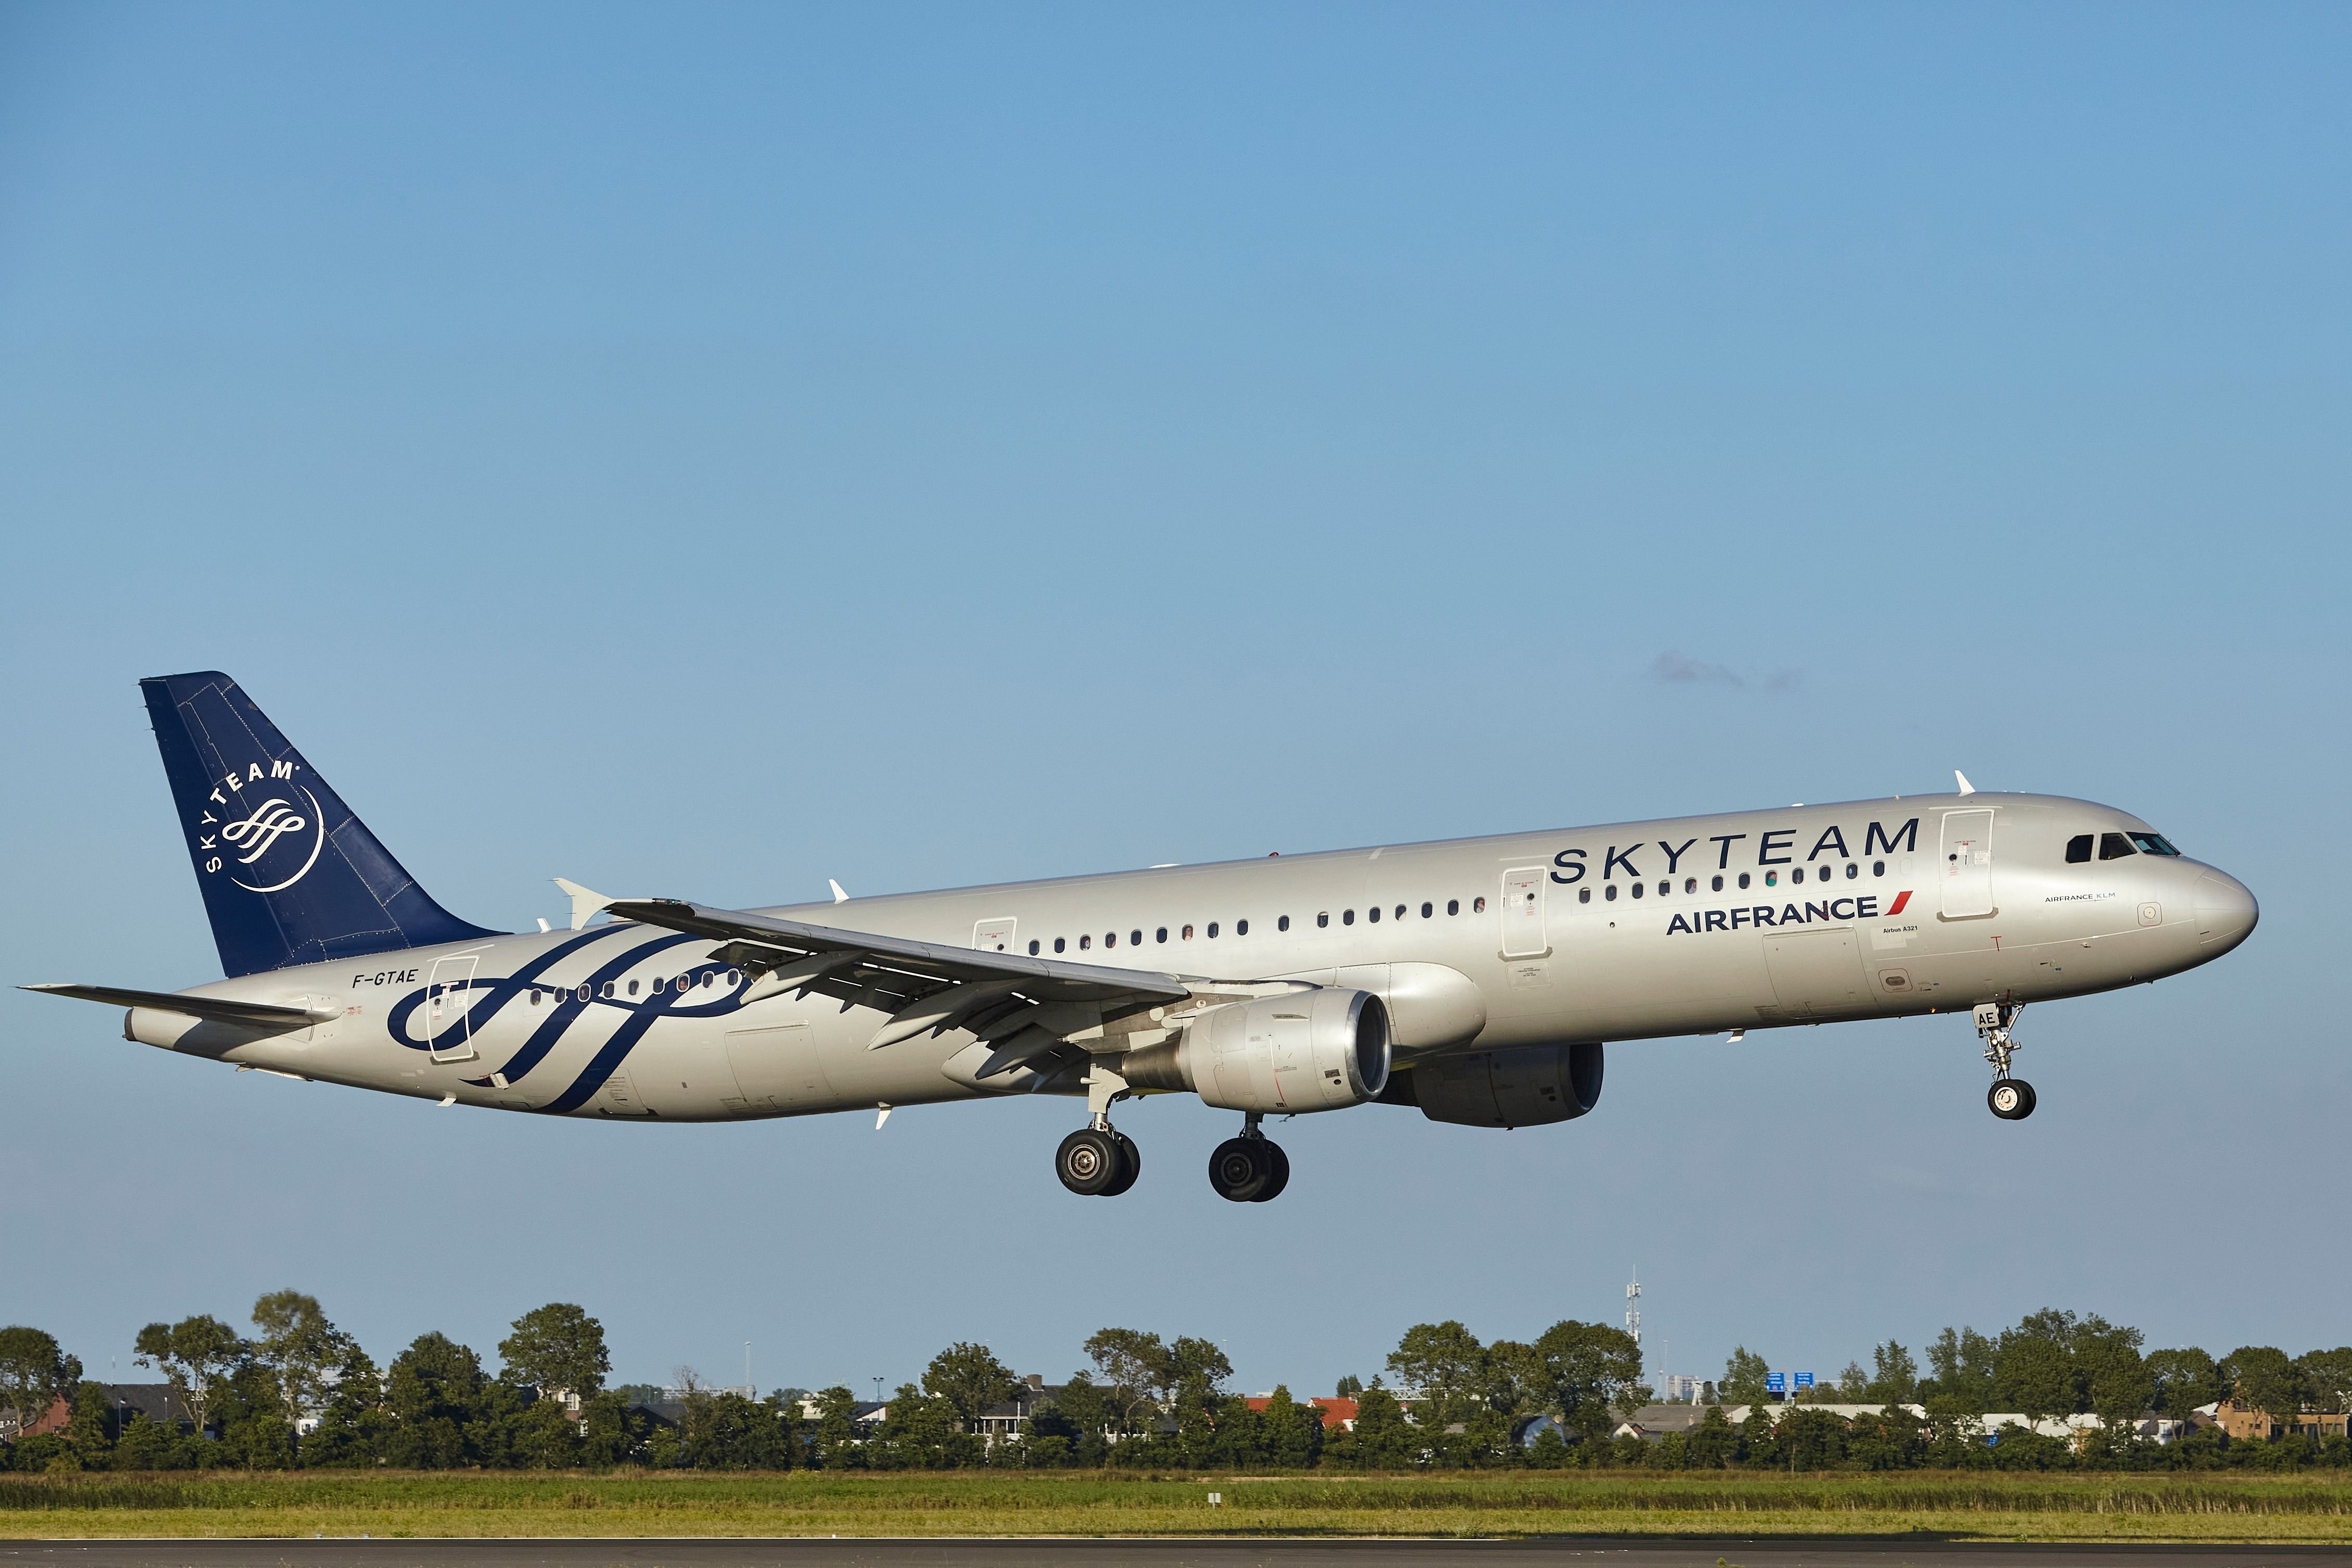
[289, 874]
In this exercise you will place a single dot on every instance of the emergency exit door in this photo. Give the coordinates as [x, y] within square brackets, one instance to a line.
[1523, 912]
[1965, 869]
[448, 993]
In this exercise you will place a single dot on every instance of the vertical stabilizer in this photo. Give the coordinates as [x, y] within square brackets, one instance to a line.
[289, 874]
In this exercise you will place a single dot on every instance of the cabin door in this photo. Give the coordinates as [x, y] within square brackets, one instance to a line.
[1965, 869]
[448, 993]
[1523, 913]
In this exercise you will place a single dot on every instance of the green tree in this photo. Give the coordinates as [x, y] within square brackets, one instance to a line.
[726, 1431]
[1445, 1368]
[2185, 1379]
[2264, 1380]
[34, 1374]
[195, 1356]
[1896, 1379]
[300, 1350]
[1712, 1444]
[1135, 1372]
[835, 1443]
[1291, 1434]
[435, 1395]
[2035, 1375]
[2327, 1377]
[2114, 1376]
[1962, 1361]
[1583, 1371]
[1349, 1387]
[1743, 1377]
[557, 1348]
[969, 1378]
[1382, 1439]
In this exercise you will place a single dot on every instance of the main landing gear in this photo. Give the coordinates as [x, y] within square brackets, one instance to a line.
[2011, 1098]
[1250, 1169]
[1098, 1162]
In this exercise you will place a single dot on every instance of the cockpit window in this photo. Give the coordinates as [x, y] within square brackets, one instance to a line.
[2115, 846]
[2154, 844]
[2078, 848]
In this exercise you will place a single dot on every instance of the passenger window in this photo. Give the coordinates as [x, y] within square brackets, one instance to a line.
[1161, 935]
[1427, 910]
[1640, 888]
[1188, 933]
[534, 995]
[1718, 883]
[1110, 939]
[1373, 914]
[1282, 924]
[1852, 870]
[1135, 939]
[1032, 947]
[2078, 849]
[1086, 942]
[2154, 844]
[1213, 930]
[1798, 875]
[1583, 895]
[632, 988]
[1743, 879]
[1323, 919]
[1878, 867]
[1057, 944]
[1479, 906]
[1241, 928]
[1610, 896]
[1346, 917]
[1690, 884]
[1452, 906]
[1400, 911]
[587, 991]
[1664, 887]
[608, 988]
[2115, 846]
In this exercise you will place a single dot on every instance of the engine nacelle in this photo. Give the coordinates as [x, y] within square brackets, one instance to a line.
[1529, 1087]
[1309, 1050]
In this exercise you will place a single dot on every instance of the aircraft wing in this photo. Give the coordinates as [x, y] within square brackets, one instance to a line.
[221, 1009]
[930, 987]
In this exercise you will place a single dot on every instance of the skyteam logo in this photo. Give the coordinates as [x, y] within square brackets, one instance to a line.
[264, 828]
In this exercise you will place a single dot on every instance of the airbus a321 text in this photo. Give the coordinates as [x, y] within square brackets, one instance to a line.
[1476, 979]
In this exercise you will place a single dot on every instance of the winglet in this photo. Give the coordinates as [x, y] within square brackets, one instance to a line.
[584, 903]
[1966, 787]
[838, 896]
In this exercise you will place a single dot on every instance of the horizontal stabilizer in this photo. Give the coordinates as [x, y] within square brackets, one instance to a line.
[221, 1009]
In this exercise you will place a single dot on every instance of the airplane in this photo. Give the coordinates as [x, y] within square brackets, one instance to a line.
[1476, 979]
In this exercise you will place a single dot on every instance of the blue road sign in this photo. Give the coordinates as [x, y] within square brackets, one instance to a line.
[1805, 1380]
[1774, 1383]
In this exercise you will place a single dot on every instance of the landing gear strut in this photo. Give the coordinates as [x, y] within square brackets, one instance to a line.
[1250, 1169]
[1098, 1160]
[2011, 1098]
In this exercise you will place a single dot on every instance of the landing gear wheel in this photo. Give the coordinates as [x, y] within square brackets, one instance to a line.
[1130, 1165]
[1280, 1176]
[1240, 1169]
[1089, 1162]
[2011, 1098]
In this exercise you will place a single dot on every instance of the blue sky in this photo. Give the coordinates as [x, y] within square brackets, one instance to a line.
[705, 451]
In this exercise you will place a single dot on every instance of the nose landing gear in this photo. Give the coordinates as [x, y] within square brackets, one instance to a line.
[1250, 1169]
[2011, 1099]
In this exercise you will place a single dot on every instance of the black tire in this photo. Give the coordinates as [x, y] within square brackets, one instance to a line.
[1130, 1165]
[1088, 1161]
[1239, 1169]
[2011, 1099]
[1280, 1176]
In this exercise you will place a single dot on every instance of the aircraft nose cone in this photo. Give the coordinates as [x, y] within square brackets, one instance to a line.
[2226, 910]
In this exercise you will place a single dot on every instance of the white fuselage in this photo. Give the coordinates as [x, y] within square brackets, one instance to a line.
[1807, 914]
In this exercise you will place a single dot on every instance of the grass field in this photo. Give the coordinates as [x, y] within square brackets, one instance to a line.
[2228, 1507]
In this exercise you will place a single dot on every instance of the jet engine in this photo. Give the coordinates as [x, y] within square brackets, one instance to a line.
[1308, 1050]
[1527, 1087]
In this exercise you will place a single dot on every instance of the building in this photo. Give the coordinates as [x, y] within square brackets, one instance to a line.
[2241, 1422]
[1336, 1412]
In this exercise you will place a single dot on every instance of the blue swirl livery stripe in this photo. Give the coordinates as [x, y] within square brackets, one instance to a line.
[569, 1008]
[613, 1052]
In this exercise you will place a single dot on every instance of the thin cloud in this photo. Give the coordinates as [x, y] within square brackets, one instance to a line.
[1681, 670]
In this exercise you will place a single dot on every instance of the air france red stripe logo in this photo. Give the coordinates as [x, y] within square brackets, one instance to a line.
[1830, 912]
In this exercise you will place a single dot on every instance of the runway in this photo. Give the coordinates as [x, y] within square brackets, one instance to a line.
[868, 1552]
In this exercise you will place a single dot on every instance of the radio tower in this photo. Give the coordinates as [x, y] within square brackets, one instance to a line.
[1633, 1308]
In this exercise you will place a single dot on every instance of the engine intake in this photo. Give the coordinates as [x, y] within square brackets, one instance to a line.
[1529, 1086]
[1310, 1050]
